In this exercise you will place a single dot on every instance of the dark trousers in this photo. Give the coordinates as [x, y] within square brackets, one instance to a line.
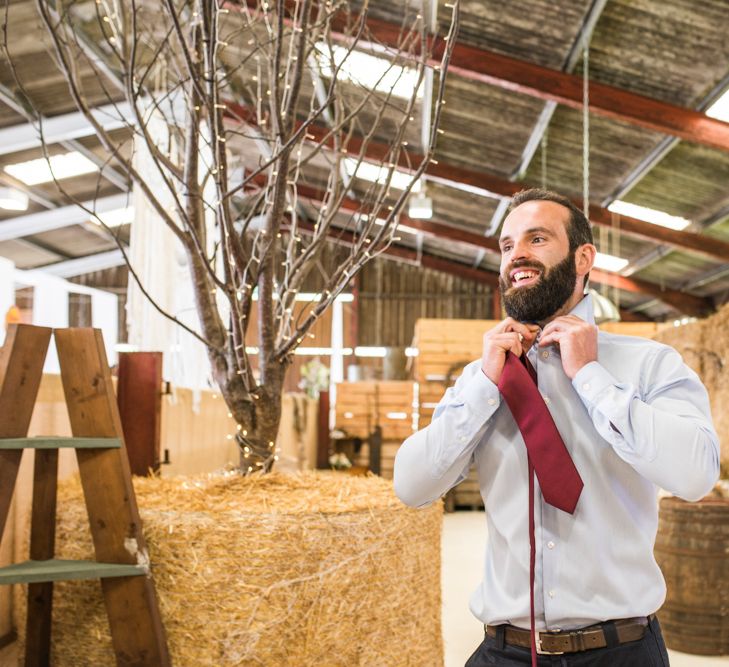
[647, 652]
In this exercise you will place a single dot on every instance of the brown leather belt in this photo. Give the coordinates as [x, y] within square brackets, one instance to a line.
[572, 641]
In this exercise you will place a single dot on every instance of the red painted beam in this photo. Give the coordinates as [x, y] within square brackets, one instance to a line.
[452, 175]
[520, 76]
[425, 260]
[523, 77]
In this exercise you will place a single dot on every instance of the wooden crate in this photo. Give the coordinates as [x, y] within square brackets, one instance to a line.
[446, 346]
[360, 406]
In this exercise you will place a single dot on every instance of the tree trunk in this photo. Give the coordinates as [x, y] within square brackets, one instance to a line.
[257, 418]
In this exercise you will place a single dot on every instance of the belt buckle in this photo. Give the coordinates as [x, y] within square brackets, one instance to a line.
[542, 651]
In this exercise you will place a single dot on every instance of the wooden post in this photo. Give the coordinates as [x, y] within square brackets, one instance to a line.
[139, 397]
[42, 546]
[323, 443]
[496, 304]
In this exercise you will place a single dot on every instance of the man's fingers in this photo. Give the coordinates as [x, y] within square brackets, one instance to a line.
[562, 324]
[553, 336]
[507, 341]
[526, 330]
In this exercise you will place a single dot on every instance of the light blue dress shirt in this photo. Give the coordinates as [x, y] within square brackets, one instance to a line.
[634, 420]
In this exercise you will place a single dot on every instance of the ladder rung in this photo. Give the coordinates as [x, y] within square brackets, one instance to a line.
[37, 571]
[59, 443]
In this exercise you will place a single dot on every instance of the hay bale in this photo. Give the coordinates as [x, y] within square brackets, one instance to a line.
[319, 569]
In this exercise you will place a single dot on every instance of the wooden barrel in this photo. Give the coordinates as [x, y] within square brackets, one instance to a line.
[692, 549]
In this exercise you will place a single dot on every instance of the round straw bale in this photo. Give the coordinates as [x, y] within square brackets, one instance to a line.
[311, 568]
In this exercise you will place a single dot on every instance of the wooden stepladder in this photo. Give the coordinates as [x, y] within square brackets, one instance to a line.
[121, 555]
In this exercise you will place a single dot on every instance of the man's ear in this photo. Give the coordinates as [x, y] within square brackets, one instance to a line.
[585, 258]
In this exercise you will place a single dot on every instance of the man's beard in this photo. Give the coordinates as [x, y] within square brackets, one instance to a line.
[540, 301]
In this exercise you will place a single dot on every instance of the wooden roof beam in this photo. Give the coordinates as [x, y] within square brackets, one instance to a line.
[452, 175]
[520, 76]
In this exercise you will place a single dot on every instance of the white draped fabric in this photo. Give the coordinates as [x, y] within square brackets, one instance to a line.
[159, 260]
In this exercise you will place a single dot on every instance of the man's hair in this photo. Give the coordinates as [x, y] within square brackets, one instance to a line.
[579, 231]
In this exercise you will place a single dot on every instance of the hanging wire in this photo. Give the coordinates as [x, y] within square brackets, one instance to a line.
[586, 125]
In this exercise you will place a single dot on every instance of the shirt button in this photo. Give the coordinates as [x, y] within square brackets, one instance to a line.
[545, 354]
[463, 438]
[551, 594]
[550, 545]
[492, 401]
[545, 399]
[586, 386]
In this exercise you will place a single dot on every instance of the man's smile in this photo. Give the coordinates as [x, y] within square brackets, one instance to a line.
[524, 277]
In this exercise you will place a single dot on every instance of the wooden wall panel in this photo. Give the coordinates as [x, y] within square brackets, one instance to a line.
[394, 295]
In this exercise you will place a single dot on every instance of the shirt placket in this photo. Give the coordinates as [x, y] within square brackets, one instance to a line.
[546, 543]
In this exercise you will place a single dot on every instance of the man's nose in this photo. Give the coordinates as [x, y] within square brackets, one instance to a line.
[520, 250]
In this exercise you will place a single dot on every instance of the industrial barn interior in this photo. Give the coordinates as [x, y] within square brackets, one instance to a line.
[283, 220]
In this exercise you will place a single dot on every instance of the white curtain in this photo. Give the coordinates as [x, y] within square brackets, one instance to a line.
[159, 260]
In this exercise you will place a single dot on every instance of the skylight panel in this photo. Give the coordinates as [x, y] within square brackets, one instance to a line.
[369, 71]
[720, 108]
[376, 173]
[609, 262]
[66, 165]
[115, 217]
[649, 215]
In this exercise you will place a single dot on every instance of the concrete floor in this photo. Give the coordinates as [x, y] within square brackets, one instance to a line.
[464, 539]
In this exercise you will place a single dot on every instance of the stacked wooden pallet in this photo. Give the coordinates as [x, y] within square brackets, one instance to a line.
[361, 406]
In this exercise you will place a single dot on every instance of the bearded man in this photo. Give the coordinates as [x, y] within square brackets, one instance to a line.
[572, 431]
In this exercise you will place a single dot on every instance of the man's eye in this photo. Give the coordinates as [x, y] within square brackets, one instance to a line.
[538, 239]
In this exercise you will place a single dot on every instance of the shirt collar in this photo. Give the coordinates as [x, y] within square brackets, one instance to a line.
[585, 310]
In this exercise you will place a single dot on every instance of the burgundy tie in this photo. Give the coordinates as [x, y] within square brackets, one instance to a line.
[548, 457]
[558, 478]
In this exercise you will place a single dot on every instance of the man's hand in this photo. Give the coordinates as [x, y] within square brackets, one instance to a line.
[577, 342]
[507, 336]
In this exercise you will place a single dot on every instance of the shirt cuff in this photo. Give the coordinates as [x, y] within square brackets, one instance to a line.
[591, 381]
[480, 394]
